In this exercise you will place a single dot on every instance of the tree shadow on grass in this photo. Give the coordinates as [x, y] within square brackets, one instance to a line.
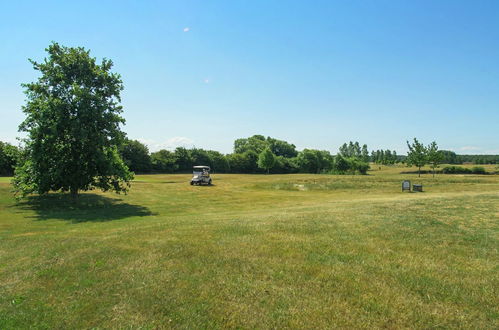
[87, 208]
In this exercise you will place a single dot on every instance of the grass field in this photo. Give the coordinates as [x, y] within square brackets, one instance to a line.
[256, 251]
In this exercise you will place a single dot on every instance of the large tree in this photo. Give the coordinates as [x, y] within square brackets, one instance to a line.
[73, 126]
[417, 155]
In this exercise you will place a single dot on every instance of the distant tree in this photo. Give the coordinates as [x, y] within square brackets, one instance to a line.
[266, 160]
[8, 158]
[282, 148]
[356, 152]
[73, 126]
[314, 161]
[286, 165]
[184, 158]
[344, 151]
[255, 143]
[387, 157]
[136, 156]
[341, 165]
[200, 157]
[355, 166]
[243, 163]
[218, 161]
[417, 155]
[381, 157]
[434, 155]
[164, 161]
[365, 154]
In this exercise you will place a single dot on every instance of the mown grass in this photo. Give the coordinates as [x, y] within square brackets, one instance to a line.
[255, 251]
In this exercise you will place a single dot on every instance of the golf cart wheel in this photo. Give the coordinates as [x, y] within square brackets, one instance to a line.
[192, 183]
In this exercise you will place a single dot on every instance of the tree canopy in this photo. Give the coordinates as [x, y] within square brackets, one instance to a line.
[73, 126]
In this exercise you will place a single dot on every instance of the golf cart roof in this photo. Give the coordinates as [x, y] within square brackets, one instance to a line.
[201, 166]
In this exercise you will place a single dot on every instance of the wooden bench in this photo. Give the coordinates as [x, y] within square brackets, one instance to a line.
[417, 187]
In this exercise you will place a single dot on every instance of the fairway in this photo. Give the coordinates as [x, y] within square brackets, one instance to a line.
[255, 251]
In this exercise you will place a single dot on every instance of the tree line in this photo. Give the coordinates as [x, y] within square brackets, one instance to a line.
[258, 154]
[74, 140]
[255, 154]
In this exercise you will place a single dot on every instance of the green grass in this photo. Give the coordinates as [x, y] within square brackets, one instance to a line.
[255, 251]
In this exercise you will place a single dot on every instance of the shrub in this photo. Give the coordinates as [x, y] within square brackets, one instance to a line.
[478, 170]
[463, 170]
[349, 165]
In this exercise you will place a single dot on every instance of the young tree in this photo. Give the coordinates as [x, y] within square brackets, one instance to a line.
[417, 155]
[73, 126]
[435, 156]
[266, 159]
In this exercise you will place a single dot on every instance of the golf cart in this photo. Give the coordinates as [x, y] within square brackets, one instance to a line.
[201, 175]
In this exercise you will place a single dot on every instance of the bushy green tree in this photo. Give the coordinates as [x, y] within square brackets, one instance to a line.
[255, 143]
[185, 162]
[266, 159]
[73, 126]
[218, 161]
[449, 157]
[243, 163]
[314, 161]
[164, 161]
[417, 155]
[286, 165]
[8, 158]
[136, 156]
[200, 157]
[340, 165]
[282, 148]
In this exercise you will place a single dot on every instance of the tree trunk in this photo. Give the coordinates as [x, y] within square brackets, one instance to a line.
[74, 193]
[419, 171]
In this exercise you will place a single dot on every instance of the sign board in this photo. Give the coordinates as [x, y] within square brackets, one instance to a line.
[406, 185]
[417, 187]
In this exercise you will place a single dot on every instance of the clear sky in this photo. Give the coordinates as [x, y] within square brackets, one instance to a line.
[314, 73]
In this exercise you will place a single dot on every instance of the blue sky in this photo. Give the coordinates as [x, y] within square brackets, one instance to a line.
[315, 73]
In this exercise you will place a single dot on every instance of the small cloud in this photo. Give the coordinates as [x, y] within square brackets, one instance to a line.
[206, 80]
[169, 144]
[187, 29]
